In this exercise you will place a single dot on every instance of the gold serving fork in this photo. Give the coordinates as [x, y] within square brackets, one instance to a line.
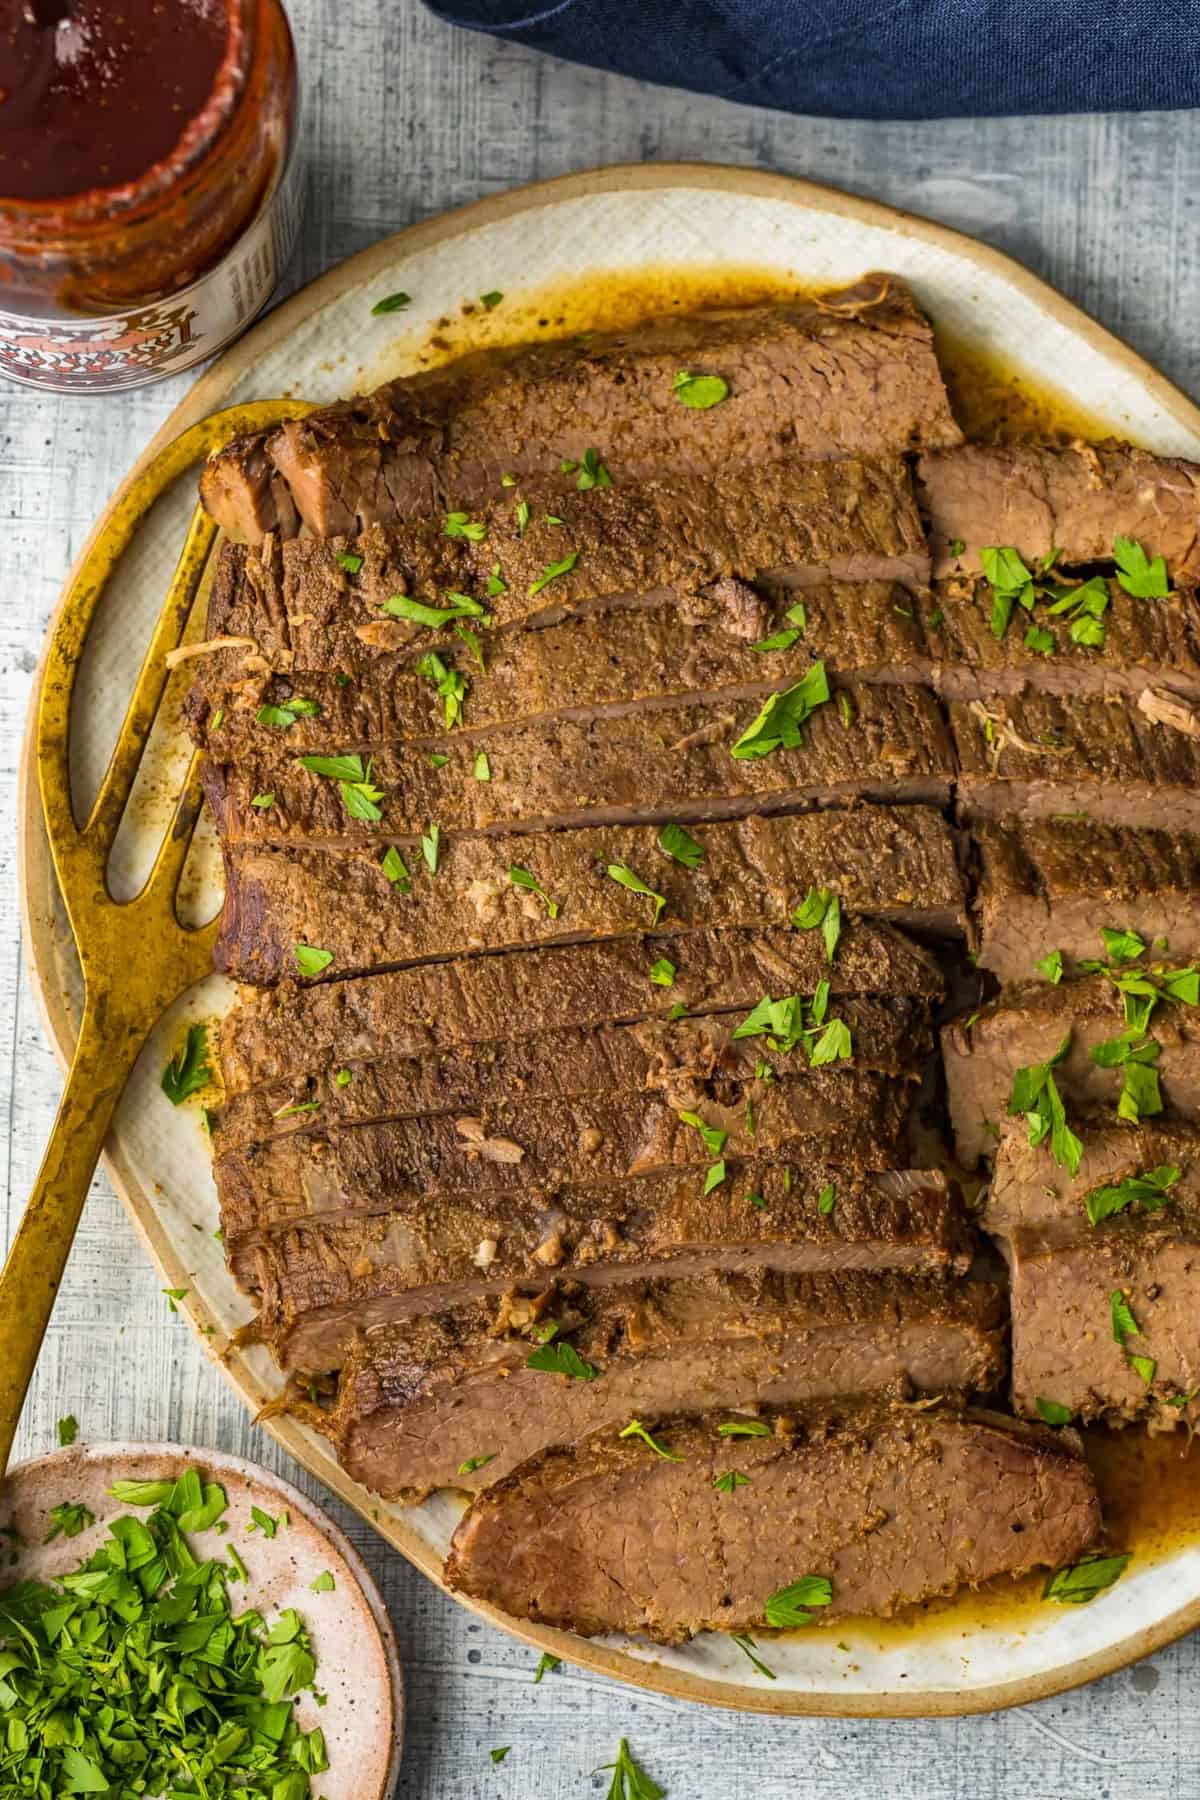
[136, 956]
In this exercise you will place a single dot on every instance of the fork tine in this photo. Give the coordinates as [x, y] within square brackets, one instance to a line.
[163, 879]
[119, 777]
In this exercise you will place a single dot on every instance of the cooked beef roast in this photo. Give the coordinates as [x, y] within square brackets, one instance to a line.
[318, 1285]
[451, 1401]
[1053, 883]
[898, 865]
[888, 1504]
[1028, 1188]
[851, 374]
[1067, 503]
[1042, 755]
[1028, 1024]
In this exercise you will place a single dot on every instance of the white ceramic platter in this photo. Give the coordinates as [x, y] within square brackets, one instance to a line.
[605, 231]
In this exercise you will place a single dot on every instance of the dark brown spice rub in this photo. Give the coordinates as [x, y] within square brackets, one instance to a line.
[503, 1151]
[897, 864]
[1052, 883]
[319, 1285]
[879, 744]
[279, 1034]
[856, 375]
[1044, 755]
[418, 1404]
[607, 1536]
[687, 1061]
[1072, 501]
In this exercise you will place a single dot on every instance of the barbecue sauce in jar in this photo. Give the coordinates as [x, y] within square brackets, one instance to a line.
[148, 183]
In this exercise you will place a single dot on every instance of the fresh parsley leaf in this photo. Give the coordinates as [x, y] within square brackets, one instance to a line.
[678, 1011]
[346, 559]
[712, 1139]
[547, 1665]
[68, 1430]
[1080, 1582]
[1124, 1325]
[749, 1649]
[262, 1521]
[823, 908]
[1035, 1093]
[663, 972]
[263, 801]
[451, 685]
[188, 1071]
[1050, 967]
[1039, 640]
[523, 879]
[311, 961]
[625, 877]
[462, 525]
[1150, 1190]
[674, 841]
[732, 1478]
[833, 1045]
[743, 1428]
[561, 1359]
[431, 845]
[496, 582]
[1053, 1411]
[462, 606]
[636, 1429]
[826, 1198]
[699, 391]
[475, 1462]
[791, 1606]
[391, 303]
[324, 1583]
[630, 1781]
[714, 1176]
[396, 870]
[592, 473]
[498, 1755]
[780, 722]
[69, 1520]
[1010, 581]
[284, 716]
[359, 795]
[1122, 946]
[522, 517]
[343, 1078]
[492, 299]
[778, 640]
[482, 768]
[956, 546]
[1143, 1366]
[1144, 579]
[552, 571]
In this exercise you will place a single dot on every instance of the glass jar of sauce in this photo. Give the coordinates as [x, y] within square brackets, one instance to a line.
[149, 186]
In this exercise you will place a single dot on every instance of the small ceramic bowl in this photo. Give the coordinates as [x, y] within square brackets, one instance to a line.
[357, 1664]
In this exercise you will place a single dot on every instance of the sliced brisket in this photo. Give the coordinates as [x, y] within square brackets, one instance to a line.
[889, 1504]
[853, 375]
[279, 1034]
[1030, 1191]
[895, 864]
[1027, 1025]
[1044, 755]
[450, 1401]
[1052, 883]
[1073, 502]
[318, 1285]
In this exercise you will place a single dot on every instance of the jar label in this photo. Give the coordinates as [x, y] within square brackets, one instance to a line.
[124, 350]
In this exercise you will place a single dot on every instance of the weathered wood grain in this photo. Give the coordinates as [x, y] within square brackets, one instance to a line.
[406, 118]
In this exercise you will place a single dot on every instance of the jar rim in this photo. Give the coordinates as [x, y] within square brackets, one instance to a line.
[62, 214]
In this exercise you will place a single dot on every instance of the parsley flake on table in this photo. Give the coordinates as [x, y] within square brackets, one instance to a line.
[630, 1781]
[699, 392]
[546, 1666]
[68, 1430]
[498, 1755]
[188, 1070]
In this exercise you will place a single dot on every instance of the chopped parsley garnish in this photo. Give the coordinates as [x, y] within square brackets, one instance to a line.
[743, 1428]
[462, 525]
[343, 1078]
[780, 723]
[749, 1648]
[1053, 1411]
[496, 582]
[1143, 1366]
[1013, 584]
[791, 1606]
[262, 1521]
[625, 877]
[431, 846]
[833, 1045]
[552, 571]
[1122, 946]
[1084, 607]
[820, 907]
[481, 768]
[188, 1070]
[712, 1139]
[396, 870]
[500, 1752]
[522, 517]
[1124, 1325]
[1050, 967]
[826, 1198]
[324, 1583]
[699, 391]
[1080, 1582]
[438, 759]
[561, 1359]
[492, 299]
[174, 1294]
[1150, 1190]
[262, 801]
[67, 1520]
[1035, 1093]
[674, 841]
[310, 960]
[68, 1430]
[1038, 639]
[784, 1025]
[462, 606]
[725, 1484]
[546, 1666]
[636, 1429]
[391, 303]
[474, 647]
[956, 546]
[359, 794]
[523, 879]
[592, 472]
[1135, 1055]
[678, 1011]
[630, 1781]
[347, 560]
[476, 1462]
[1144, 579]
[714, 1176]
[778, 640]
[287, 712]
[451, 685]
[663, 972]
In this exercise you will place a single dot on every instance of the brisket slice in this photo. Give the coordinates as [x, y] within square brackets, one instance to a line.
[880, 744]
[1030, 1192]
[687, 1061]
[613, 660]
[319, 1285]
[1148, 644]
[1073, 501]
[1052, 883]
[503, 1152]
[894, 864]
[1066, 1279]
[1042, 754]
[418, 1403]
[890, 1504]
[855, 375]
[277, 1035]
[1027, 1025]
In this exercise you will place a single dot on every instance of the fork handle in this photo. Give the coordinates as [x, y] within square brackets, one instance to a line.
[33, 1271]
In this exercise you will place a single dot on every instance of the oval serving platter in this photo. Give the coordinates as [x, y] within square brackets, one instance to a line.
[669, 230]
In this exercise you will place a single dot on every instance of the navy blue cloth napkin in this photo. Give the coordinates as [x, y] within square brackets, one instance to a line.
[876, 59]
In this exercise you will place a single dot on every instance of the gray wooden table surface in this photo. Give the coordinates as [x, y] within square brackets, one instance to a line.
[406, 118]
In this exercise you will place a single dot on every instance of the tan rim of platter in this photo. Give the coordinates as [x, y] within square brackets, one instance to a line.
[210, 393]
